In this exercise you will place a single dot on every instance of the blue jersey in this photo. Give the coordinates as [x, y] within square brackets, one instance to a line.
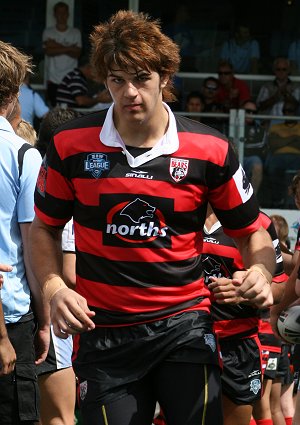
[16, 207]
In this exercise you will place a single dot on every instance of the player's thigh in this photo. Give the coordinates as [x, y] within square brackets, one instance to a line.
[136, 406]
[58, 394]
[237, 414]
[189, 393]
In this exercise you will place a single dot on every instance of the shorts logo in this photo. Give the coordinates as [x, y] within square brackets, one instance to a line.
[83, 386]
[210, 341]
[178, 168]
[42, 178]
[96, 163]
[255, 386]
[272, 364]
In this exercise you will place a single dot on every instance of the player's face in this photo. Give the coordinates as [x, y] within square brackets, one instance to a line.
[137, 94]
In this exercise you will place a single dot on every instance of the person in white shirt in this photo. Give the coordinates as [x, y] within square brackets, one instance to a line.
[62, 46]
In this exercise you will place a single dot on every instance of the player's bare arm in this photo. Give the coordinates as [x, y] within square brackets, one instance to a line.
[69, 311]
[259, 258]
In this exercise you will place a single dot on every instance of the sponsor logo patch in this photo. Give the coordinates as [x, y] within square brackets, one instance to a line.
[255, 386]
[96, 164]
[139, 174]
[178, 168]
[210, 341]
[272, 364]
[83, 387]
[136, 221]
[42, 179]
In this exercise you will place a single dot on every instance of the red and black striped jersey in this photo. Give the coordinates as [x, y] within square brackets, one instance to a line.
[221, 258]
[138, 231]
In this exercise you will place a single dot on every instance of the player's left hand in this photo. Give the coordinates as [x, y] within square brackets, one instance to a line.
[254, 287]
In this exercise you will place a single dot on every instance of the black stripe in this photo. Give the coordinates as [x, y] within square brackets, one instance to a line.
[137, 274]
[105, 317]
[243, 213]
[21, 153]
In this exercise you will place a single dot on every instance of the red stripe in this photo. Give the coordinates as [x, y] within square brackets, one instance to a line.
[139, 300]
[186, 197]
[205, 147]
[233, 327]
[226, 195]
[283, 277]
[74, 141]
[245, 231]
[58, 186]
[91, 242]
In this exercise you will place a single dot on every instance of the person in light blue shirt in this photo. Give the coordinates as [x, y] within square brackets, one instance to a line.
[24, 311]
[32, 103]
[242, 51]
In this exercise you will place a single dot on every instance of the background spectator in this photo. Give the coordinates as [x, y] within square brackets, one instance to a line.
[209, 92]
[55, 117]
[242, 51]
[254, 146]
[272, 95]
[232, 91]
[194, 103]
[26, 319]
[27, 132]
[284, 154]
[32, 104]
[73, 90]
[62, 46]
[294, 54]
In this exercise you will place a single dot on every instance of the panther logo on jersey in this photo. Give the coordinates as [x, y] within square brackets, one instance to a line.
[136, 221]
[178, 168]
[138, 210]
[213, 268]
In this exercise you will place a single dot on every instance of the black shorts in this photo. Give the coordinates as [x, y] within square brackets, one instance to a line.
[115, 360]
[272, 365]
[188, 393]
[284, 370]
[242, 376]
[19, 395]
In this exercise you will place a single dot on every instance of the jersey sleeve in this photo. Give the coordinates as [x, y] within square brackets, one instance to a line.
[232, 196]
[279, 275]
[53, 194]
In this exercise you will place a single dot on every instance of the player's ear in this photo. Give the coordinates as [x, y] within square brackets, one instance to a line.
[164, 81]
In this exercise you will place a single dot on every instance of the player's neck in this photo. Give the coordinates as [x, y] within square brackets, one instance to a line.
[143, 135]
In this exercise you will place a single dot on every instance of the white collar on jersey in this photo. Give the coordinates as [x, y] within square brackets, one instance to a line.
[5, 125]
[213, 228]
[109, 136]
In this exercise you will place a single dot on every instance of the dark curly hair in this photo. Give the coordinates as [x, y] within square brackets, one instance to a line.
[51, 121]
